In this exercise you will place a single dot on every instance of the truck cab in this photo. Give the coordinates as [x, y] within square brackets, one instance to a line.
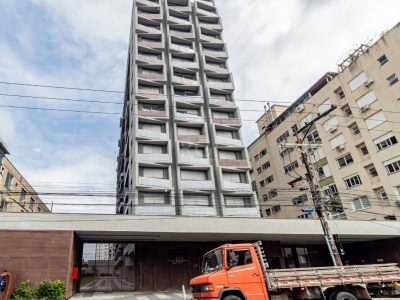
[230, 270]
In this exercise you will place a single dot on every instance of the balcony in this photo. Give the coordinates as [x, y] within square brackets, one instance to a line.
[181, 9]
[193, 138]
[149, 44]
[147, 29]
[218, 54]
[189, 118]
[216, 69]
[147, 3]
[157, 158]
[154, 182]
[182, 34]
[184, 81]
[190, 160]
[241, 211]
[205, 13]
[227, 121]
[227, 185]
[215, 27]
[229, 86]
[151, 59]
[191, 210]
[178, 48]
[197, 184]
[153, 76]
[228, 142]
[237, 163]
[152, 135]
[153, 114]
[154, 17]
[155, 210]
[185, 64]
[149, 94]
[177, 21]
[210, 39]
[189, 99]
[222, 103]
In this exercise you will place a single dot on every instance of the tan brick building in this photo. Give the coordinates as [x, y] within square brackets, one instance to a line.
[16, 194]
[359, 162]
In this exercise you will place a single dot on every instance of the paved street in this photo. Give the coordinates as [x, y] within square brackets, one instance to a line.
[132, 296]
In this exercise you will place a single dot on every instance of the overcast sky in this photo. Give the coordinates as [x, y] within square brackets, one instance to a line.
[277, 48]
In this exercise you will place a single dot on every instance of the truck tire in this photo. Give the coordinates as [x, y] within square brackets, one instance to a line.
[343, 296]
[232, 297]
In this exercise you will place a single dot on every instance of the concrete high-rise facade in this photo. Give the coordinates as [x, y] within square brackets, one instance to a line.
[358, 163]
[181, 149]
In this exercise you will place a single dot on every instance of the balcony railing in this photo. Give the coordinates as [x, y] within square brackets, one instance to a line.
[153, 114]
[242, 211]
[154, 45]
[197, 184]
[189, 99]
[184, 81]
[193, 138]
[227, 121]
[229, 86]
[185, 64]
[155, 17]
[178, 21]
[216, 69]
[227, 141]
[152, 76]
[216, 27]
[189, 117]
[147, 3]
[182, 9]
[153, 135]
[210, 39]
[179, 48]
[149, 59]
[205, 13]
[156, 210]
[181, 34]
[219, 54]
[154, 182]
[158, 158]
[222, 103]
[236, 186]
[239, 163]
[191, 210]
[147, 29]
[151, 95]
[189, 160]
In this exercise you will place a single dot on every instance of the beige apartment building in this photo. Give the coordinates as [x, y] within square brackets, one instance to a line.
[358, 162]
[16, 194]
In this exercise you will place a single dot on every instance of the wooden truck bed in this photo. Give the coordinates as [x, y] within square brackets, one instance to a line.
[331, 276]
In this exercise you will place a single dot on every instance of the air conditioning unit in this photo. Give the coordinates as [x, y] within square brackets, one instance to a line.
[340, 147]
[332, 129]
[368, 82]
[364, 108]
[300, 108]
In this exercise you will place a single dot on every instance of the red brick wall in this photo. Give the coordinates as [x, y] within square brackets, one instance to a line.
[38, 255]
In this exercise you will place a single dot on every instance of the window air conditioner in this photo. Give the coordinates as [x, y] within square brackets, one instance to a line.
[300, 108]
[340, 147]
[368, 82]
[364, 108]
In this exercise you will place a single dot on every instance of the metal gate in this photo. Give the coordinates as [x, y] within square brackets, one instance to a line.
[107, 267]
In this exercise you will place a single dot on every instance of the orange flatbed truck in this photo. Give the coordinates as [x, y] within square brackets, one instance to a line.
[240, 272]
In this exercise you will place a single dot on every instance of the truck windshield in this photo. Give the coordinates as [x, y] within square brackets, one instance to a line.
[212, 261]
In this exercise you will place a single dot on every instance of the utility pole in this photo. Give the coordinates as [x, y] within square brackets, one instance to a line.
[314, 189]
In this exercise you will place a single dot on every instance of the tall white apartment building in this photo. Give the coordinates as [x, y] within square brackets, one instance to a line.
[181, 149]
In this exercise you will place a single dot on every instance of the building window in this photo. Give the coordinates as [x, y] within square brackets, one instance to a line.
[305, 216]
[265, 197]
[361, 203]
[283, 138]
[9, 180]
[3, 205]
[146, 198]
[259, 171]
[364, 150]
[373, 172]
[388, 140]
[382, 60]
[269, 179]
[313, 137]
[158, 173]
[383, 195]
[392, 79]
[345, 160]
[262, 183]
[286, 151]
[295, 128]
[354, 129]
[353, 181]
[290, 167]
[347, 111]
[32, 204]
[331, 191]
[22, 197]
[390, 218]
[273, 210]
[238, 202]
[263, 152]
[393, 167]
[256, 158]
[339, 92]
[265, 166]
[194, 175]
[300, 200]
[272, 194]
[375, 120]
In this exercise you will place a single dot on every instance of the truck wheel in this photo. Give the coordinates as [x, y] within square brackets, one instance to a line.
[231, 297]
[344, 296]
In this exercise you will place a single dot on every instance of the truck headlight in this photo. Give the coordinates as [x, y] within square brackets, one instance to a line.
[202, 288]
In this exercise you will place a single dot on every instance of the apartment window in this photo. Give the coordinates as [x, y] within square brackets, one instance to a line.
[382, 60]
[3, 205]
[338, 141]
[358, 81]
[152, 127]
[259, 171]
[9, 181]
[228, 134]
[22, 196]
[283, 138]
[185, 75]
[366, 100]
[313, 137]
[339, 92]
[149, 71]
[152, 107]
[188, 93]
[375, 120]
[345, 160]
[158, 56]
[325, 106]
[151, 89]
[184, 59]
[300, 200]
[290, 167]
[31, 203]
[222, 115]
[361, 203]
[265, 197]
[256, 158]
[230, 154]
[382, 194]
[263, 153]
[237, 177]
[330, 190]
[189, 131]
[354, 129]
[188, 111]
[272, 194]
[347, 111]
[266, 166]
[262, 183]
[146, 198]
[193, 152]
[364, 150]
[373, 172]
[295, 128]
[254, 186]
[393, 166]
[269, 179]
[286, 151]
[385, 141]
[273, 210]
[158, 173]
[392, 79]
[194, 175]
[353, 181]
[225, 97]
[238, 201]
[197, 200]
